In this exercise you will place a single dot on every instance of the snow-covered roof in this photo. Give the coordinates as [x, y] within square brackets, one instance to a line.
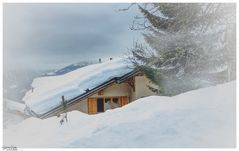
[47, 91]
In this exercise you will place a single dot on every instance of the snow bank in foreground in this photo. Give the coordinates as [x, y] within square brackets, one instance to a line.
[13, 112]
[200, 118]
[47, 91]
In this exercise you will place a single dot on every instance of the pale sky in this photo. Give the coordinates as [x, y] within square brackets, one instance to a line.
[54, 35]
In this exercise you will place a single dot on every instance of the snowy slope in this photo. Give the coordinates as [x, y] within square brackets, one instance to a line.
[13, 112]
[199, 118]
[47, 91]
[15, 106]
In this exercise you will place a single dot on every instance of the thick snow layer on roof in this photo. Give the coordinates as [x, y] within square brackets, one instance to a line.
[200, 118]
[47, 91]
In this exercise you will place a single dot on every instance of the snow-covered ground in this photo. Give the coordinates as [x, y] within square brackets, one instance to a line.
[199, 118]
[15, 106]
[13, 113]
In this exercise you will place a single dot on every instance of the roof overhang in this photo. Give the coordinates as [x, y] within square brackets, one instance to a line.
[85, 95]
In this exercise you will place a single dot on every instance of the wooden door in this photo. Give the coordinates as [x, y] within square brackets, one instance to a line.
[124, 100]
[92, 106]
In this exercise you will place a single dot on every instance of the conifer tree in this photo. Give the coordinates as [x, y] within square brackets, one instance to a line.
[188, 45]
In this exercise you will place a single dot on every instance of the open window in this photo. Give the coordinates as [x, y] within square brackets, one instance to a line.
[107, 103]
[112, 102]
[101, 104]
[115, 103]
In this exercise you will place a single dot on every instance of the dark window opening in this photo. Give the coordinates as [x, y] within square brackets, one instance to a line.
[115, 103]
[100, 105]
[107, 100]
[115, 100]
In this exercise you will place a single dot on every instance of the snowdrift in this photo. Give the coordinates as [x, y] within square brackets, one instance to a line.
[47, 91]
[13, 112]
[200, 118]
[14, 106]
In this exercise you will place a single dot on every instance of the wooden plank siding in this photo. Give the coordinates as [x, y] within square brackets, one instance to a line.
[92, 106]
[124, 100]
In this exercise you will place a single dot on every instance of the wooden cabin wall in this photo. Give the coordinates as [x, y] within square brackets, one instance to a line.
[141, 87]
[123, 89]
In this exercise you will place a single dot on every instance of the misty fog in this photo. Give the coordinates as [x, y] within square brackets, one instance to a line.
[39, 38]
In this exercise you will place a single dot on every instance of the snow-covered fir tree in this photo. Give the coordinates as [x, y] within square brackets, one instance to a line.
[188, 45]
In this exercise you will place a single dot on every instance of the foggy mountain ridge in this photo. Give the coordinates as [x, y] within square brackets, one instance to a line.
[67, 69]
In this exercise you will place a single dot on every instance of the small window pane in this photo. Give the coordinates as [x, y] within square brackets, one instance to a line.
[107, 100]
[107, 104]
[115, 103]
[115, 100]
